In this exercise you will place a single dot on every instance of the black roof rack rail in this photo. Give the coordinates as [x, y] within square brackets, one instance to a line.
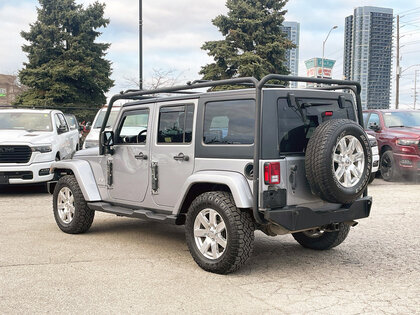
[258, 85]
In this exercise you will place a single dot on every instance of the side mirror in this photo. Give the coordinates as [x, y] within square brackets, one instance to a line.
[61, 129]
[374, 127]
[107, 142]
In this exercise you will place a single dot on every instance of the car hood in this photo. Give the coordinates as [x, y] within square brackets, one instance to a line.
[24, 137]
[413, 132]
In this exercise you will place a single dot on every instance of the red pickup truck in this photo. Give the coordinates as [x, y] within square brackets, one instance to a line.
[398, 136]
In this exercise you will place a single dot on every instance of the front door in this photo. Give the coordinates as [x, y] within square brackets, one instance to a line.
[130, 161]
[173, 151]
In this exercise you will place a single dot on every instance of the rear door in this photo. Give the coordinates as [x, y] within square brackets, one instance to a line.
[173, 150]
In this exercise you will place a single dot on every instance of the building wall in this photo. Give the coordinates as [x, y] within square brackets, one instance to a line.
[368, 54]
[9, 89]
[292, 30]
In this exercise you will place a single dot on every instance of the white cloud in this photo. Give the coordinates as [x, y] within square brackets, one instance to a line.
[175, 30]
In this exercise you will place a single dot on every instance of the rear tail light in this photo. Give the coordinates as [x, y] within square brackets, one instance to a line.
[272, 173]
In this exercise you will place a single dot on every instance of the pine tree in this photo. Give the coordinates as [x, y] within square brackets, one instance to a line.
[254, 43]
[66, 67]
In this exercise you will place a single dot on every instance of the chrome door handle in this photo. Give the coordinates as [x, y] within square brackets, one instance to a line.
[141, 156]
[181, 157]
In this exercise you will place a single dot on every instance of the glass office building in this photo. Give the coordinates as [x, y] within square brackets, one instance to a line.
[292, 30]
[368, 53]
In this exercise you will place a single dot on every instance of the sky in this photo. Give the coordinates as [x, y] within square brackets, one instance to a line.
[174, 31]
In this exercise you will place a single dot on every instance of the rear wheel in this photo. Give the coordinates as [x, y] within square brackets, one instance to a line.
[71, 212]
[320, 239]
[388, 169]
[219, 236]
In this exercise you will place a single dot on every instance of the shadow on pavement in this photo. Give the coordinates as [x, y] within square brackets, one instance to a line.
[23, 189]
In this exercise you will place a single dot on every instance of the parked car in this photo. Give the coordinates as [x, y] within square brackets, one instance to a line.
[92, 139]
[225, 163]
[398, 135]
[74, 125]
[30, 140]
[375, 157]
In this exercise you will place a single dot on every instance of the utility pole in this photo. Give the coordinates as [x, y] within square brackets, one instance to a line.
[415, 88]
[397, 74]
[141, 44]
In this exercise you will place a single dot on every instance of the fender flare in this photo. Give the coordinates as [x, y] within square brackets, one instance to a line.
[236, 182]
[86, 181]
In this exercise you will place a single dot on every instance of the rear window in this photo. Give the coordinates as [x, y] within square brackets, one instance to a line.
[294, 133]
[229, 122]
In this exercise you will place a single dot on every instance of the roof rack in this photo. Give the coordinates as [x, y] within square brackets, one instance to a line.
[354, 86]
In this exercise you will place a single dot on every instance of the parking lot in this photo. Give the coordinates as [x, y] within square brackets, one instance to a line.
[131, 266]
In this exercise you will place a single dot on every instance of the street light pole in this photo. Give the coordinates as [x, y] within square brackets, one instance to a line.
[141, 44]
[323, 49]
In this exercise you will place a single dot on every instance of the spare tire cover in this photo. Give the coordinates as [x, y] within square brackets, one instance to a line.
[338, 161]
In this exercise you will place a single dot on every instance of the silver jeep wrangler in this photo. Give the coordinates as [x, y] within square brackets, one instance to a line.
[224, 163]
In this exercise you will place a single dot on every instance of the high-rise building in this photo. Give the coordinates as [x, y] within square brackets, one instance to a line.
[368, 53]
[292, 30]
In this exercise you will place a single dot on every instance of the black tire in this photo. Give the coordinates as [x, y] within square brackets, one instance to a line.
[319, 163]
[326, 240]
[372, 178]
[388, 167]
[83, 216]
[239, 227]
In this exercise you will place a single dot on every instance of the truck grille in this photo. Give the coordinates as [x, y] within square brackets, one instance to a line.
[15, 154]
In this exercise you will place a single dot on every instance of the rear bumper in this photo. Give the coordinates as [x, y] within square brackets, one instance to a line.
[301, 218]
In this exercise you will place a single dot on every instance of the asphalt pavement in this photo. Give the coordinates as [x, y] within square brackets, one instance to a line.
[131, 266]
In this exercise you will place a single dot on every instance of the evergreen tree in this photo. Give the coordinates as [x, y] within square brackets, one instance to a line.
[66, 67]
[254, 43]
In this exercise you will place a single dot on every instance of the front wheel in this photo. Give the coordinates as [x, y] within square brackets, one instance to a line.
[71, 212]
[321, 240]
[219, 236]
[387, 165]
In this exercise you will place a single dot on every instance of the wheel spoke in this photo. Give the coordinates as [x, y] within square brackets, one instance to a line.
[200, 233]
[220, 227]
[213, 219]
[214, 250]
[221, 241]
[340, 172]
[358, 156]
[356, 172]
[337, 158]
[343, 146]
[347, 178]
[206, 245]
[203, 220]
[352, 145]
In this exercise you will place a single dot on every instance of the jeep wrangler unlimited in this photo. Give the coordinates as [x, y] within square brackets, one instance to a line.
[224, 163]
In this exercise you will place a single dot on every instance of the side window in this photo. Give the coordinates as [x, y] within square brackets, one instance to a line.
[63, 121]
[175, 124]
[373, 120]
[60, 123]
[229, 122]
[133, 127]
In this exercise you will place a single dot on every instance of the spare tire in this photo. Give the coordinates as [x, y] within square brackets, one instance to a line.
[338, 161]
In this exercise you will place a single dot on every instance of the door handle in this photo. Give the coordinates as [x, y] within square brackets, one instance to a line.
[181, 157]
[141, 156]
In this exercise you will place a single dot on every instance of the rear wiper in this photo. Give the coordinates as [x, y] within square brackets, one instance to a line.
[291, 100]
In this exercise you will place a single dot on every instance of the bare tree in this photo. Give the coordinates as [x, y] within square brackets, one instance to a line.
[159, 78]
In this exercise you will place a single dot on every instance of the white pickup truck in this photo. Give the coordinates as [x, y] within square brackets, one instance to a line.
[30, 140]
